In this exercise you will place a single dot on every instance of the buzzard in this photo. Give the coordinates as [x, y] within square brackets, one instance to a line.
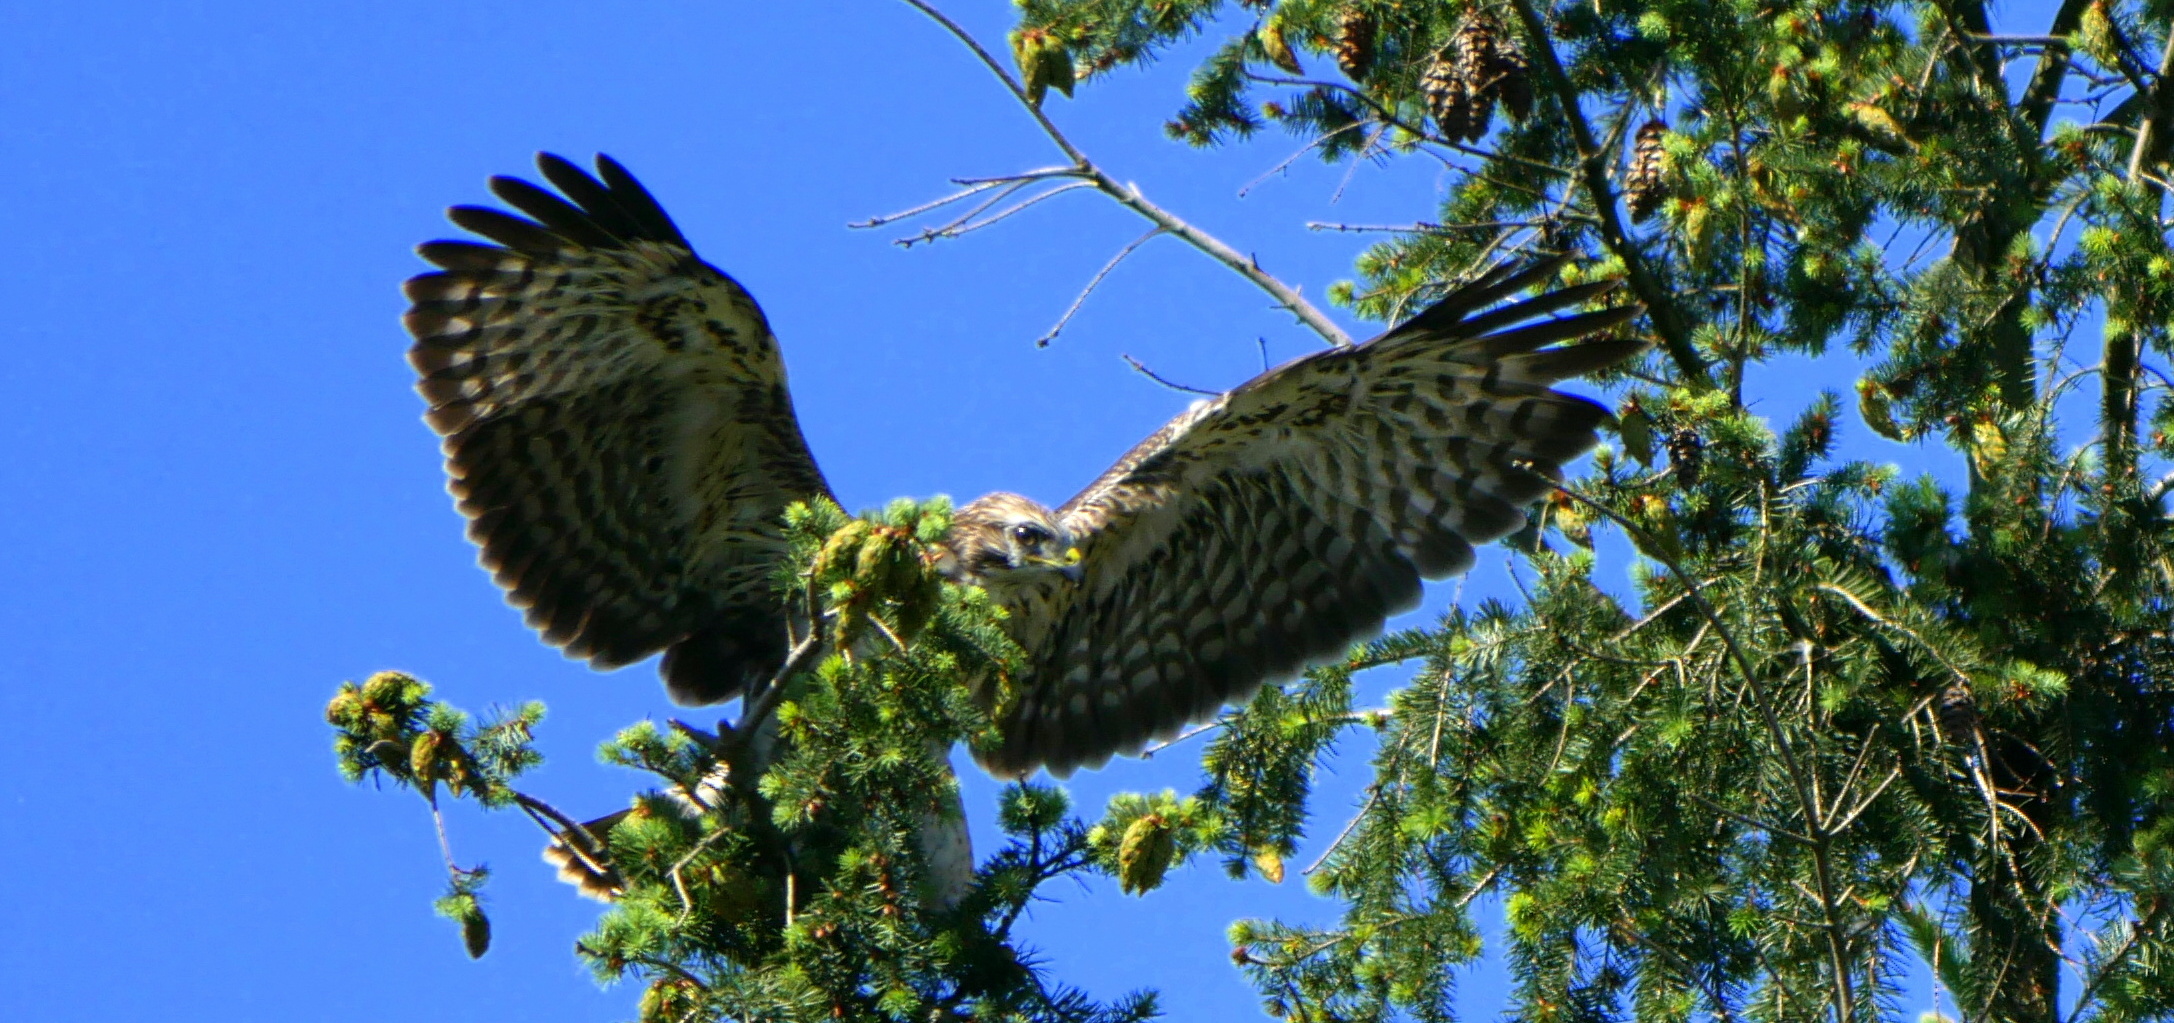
[618, 431]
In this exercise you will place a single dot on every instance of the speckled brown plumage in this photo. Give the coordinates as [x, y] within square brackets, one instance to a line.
[617, 428]
[619, 432]
[1266, 530]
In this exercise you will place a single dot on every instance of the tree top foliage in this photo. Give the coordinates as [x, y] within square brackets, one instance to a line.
[1849, 722]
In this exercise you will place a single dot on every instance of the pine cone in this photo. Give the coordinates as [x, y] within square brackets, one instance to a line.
[670, 1000]
[475, 933]
[1476, 43]
[1449, 99]
[1479, 46]
[1355, 43]
[1144, 854]
[1686, 457]
[1511, 78]
[1643, 188]
[1277, 45]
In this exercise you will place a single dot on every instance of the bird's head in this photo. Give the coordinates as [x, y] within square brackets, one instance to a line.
[1005, 540]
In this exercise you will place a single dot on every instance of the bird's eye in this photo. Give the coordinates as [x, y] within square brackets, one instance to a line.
[1029, 535]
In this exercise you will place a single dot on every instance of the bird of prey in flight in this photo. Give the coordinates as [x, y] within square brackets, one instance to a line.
[619, 433]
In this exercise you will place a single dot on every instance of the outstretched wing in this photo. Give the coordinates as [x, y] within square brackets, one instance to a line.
[617, 427]
[1265, 530]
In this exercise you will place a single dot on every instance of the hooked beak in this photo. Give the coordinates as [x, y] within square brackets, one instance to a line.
[1069, 565]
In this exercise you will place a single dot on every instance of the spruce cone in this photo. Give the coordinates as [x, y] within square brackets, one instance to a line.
[1511, 78]
[1643, 188]
[1277, 45]
[475, 933]
[1686, 457]
[1355, 43]
[1476, 43]
[1144, 854]
[1449, 98]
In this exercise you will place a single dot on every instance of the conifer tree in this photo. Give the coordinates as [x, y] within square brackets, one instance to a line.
[1853, 721]
[1850, 717]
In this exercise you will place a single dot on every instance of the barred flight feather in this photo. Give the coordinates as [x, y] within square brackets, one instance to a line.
[617, 428]
[1266, 531]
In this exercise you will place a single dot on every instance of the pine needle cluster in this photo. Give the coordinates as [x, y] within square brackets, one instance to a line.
[777, 870]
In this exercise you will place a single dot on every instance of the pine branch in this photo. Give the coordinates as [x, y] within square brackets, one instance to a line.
[1815, 823]
[1668, 319]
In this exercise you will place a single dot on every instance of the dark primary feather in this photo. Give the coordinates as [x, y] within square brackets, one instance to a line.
[617, 427]
[1266, 530]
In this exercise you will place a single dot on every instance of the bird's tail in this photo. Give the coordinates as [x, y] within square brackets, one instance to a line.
[582, 855]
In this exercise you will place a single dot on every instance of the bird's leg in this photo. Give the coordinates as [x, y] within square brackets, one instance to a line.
[806, 644]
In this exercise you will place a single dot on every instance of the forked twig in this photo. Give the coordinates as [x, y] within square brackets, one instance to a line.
[967, 224]
[972, 189]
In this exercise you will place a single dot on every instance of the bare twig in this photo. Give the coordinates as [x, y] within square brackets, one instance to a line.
[1351, 169]
[1430, 227]
[1747, 821]
[1131, 198]
[974, 189]
[1287, 161]
[967, 224]
[1092, 284]
[1387, 116]
[1171, 384]
[1478, 886]
[1419, 227]
[1037, 174]
[445, 844]
[1866, 803]
[756, 707]
[679, 882]
[761, 704]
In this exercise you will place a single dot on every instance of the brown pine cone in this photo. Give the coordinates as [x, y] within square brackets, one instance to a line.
[1474, 47]
[1686, 457]
[1450, 101]
[1355, 43]
[1643, 188]
[1476, 43]
[1511, 77]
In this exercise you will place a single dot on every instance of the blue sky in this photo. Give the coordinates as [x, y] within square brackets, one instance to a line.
[221, 500]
